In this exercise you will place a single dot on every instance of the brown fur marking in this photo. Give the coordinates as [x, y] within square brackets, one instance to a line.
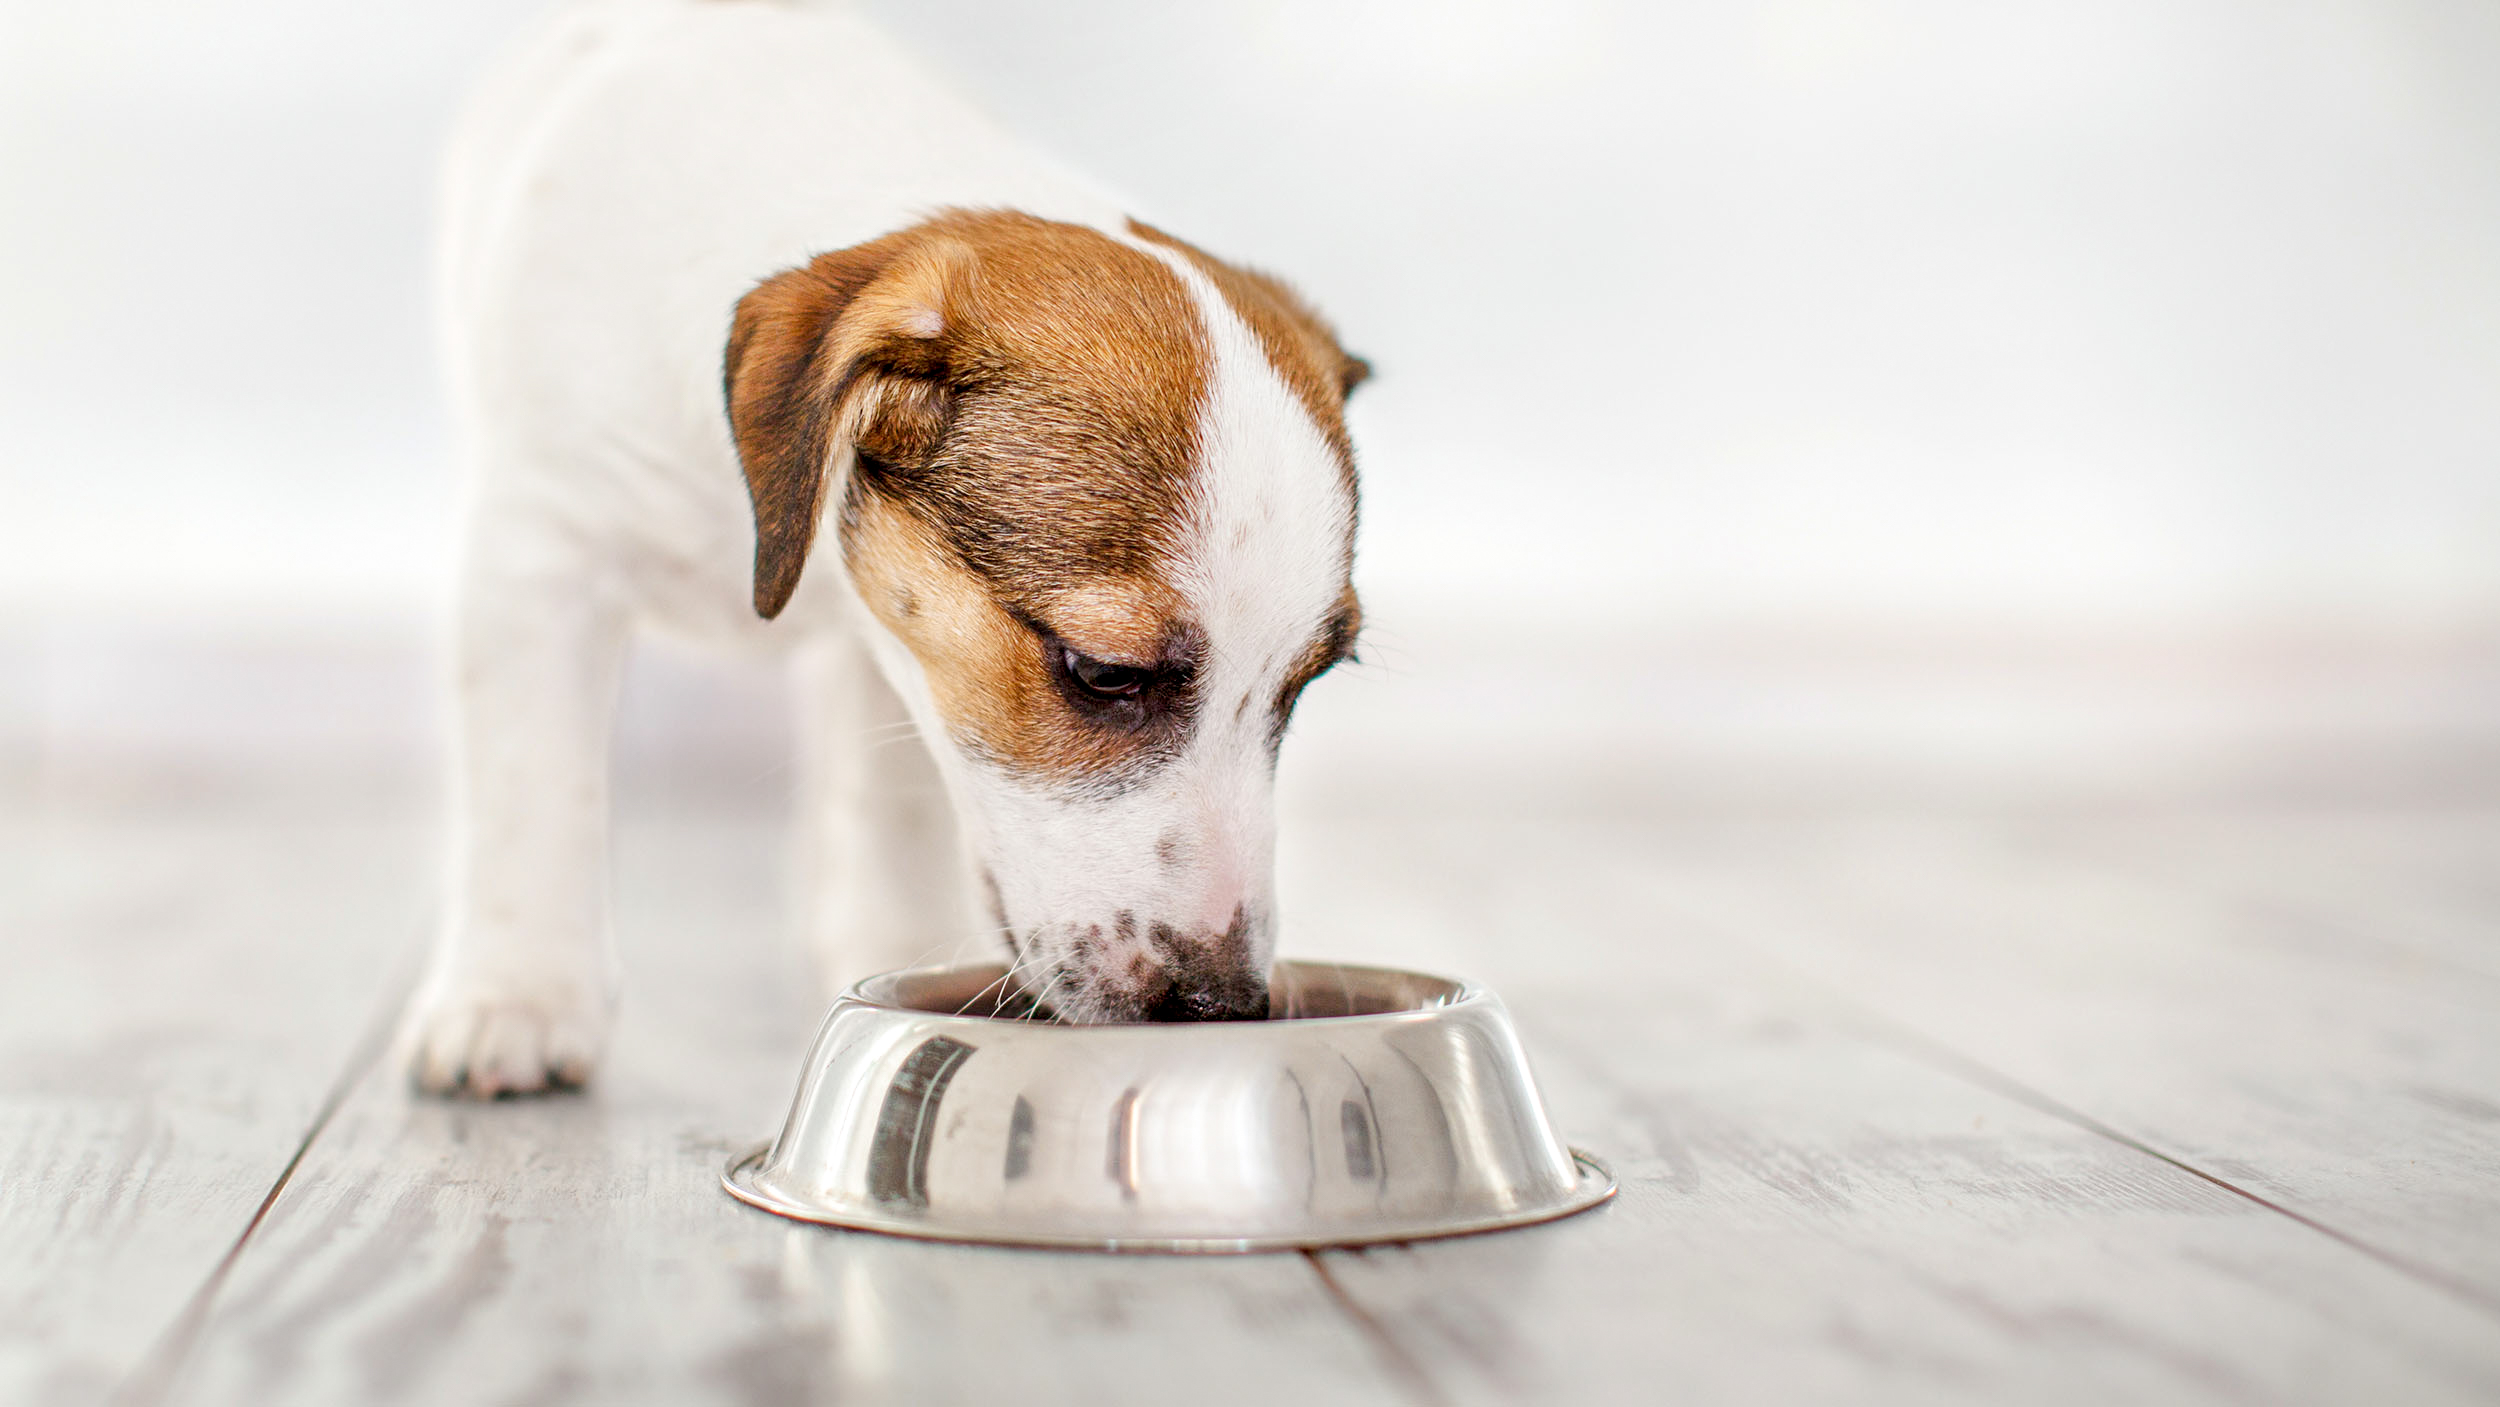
[1017, 401]
[1031, 387]
[1299, 343]
[986, 668]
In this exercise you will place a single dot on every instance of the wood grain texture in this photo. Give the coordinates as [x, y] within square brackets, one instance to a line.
[1812, 1212]
[581, 1249]
[181, 987]
[2329, 1059]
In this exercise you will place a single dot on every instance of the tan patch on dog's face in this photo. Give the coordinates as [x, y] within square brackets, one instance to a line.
[1019, 401]
[1075, 367]
[1018, 405]
[1030, 387]
[1045, 510]
[988, 661]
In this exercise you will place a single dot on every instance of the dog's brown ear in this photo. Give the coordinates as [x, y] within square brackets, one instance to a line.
[1353, 373]
[846, 352]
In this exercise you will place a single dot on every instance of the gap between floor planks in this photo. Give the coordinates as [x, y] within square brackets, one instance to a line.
[160, 1370]
[154, 1376]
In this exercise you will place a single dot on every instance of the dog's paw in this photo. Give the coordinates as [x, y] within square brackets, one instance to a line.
[484, 1040]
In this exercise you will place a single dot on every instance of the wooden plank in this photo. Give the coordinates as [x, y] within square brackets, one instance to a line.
[581, 1248]
[2316, 1060]
[1809, 1212]
[183, 979]
[2421, 886]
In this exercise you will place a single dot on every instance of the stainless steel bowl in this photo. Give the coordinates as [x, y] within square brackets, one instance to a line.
[1377, 1106]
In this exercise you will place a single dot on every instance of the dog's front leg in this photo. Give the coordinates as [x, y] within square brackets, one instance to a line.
[881, 867]
[522, 986]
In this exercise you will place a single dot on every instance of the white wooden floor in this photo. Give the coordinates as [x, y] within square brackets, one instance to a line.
[2181, 1090]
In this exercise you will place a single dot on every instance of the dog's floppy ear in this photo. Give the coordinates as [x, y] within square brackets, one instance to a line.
[846, 353]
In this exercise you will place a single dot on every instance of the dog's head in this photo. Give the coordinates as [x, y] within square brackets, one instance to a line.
[1099, 497]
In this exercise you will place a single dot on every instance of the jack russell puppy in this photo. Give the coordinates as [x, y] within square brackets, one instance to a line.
[758, 334]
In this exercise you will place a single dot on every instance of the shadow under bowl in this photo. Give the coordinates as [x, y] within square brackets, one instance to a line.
[1374, 1105]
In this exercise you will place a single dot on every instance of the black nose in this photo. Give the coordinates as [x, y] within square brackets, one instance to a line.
[1244, 1002]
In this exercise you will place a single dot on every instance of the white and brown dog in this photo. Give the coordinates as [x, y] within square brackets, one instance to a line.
[1086, 494]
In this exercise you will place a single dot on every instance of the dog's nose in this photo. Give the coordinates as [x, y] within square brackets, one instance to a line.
[1237, 1002]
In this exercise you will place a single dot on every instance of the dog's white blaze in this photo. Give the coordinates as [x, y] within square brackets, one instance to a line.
[1261, 566]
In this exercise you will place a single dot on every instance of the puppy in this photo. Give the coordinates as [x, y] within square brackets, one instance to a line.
[1078, 499]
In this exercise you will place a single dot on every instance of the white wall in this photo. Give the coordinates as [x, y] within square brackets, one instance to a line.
[2112, 310]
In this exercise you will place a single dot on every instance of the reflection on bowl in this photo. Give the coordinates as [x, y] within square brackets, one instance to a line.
[1378, 1106]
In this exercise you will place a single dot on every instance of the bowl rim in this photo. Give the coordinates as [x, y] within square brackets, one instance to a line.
[1463, 993]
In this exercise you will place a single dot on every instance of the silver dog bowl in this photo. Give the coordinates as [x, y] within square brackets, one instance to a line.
[1378, 1106]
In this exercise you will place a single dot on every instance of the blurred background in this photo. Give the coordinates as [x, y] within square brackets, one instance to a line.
[1797, 396]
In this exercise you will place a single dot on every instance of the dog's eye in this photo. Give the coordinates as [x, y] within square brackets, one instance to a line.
[1102, 679]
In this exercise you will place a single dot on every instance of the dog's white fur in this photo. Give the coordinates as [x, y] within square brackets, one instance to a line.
[612, 194]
